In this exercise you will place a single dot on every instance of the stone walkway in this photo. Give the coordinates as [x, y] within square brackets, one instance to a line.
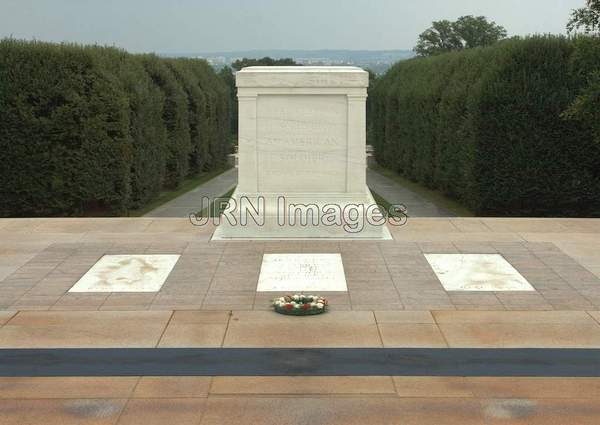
[390, 190]
[42, 259]
[191, 202]
[210, 300]
[338, 329]
[299, 401]
[395, 193]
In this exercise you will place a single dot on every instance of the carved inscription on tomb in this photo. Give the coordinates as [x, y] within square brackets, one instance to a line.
[302, 143]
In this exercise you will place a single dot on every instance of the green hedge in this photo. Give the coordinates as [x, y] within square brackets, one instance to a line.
[488, 127]
[64, 132]
[175, 117]
[88, 130]
[147, 131]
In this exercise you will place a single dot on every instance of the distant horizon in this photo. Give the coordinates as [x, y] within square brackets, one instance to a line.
[291, 50]
[377, 61]
[145, 26]
[211, 52]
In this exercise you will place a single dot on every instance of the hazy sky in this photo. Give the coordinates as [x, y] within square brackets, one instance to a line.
[204, 26]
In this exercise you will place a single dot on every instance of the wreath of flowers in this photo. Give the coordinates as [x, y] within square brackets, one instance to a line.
[300, 305]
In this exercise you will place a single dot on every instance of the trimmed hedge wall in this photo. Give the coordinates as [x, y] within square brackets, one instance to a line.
[175, 117]
[488, 127]
[88, 130]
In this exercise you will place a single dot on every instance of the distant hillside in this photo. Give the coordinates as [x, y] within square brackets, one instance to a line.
[376, 60]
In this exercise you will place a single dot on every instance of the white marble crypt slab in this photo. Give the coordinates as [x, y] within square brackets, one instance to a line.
[477, 272]
[127, 273]
[302, 273]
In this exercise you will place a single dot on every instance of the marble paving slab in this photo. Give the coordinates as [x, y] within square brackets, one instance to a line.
[127, 273]
[477, 272]
[302, 273]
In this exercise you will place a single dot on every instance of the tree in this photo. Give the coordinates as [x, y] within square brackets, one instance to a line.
[465, 33]
[266, 61]
[228, 78]
[587, 18]
[476, 31]
[585, 65]
[438, 39]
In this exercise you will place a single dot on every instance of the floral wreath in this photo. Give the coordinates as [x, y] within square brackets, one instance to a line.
[300, 305]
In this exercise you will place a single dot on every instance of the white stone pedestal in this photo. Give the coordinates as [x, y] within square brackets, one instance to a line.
[302, 137]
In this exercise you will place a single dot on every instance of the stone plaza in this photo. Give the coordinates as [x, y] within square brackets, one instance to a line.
[210, 299]
[42, 259]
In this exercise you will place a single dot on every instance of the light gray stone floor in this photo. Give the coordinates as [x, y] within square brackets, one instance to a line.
[191, 202]
[43, 258]
[390, 275]
[395, 193]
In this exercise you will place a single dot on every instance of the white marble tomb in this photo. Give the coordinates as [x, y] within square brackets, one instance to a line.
[302, 138]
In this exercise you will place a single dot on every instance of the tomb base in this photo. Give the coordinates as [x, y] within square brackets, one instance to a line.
[348, 216]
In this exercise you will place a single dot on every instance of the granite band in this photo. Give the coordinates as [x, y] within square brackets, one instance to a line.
[300, 362]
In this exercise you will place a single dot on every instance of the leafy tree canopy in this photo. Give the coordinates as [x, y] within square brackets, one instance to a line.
[227, 75]
[266, 61]
[465, 33]
[586, 18]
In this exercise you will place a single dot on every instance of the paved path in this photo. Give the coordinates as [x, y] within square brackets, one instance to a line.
[389, 189]
[210, 300]
[191, 201]
[41, 259]
[296, 400]
[395, 193]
